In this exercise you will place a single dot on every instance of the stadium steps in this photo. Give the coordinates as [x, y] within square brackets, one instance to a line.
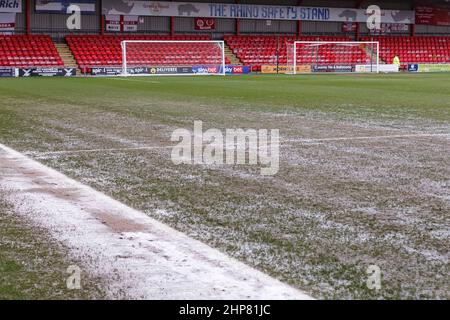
[231, 56]
[67, 56]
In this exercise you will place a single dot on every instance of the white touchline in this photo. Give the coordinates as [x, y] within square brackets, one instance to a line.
[419, 135]
[136, 254]
[134, 80]
[306, 140]
[98, 150]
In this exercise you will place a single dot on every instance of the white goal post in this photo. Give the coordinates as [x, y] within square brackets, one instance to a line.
[173, 57]
[332, 56]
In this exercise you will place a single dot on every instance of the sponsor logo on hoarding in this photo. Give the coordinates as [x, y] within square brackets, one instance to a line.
[305, 68]
[170, 70]
[47, 72]
[112, 71]
[434, 68]
[25, 72]
[139, 70]
[272, 69]
[7, 72]
[108, 71]
[413, 67]
[333, 68]
[230, 69]
[237, 69]
[368, 68]
[213, 70]
[68, 72]
[423, 67]
[164, 70]
[206, 69]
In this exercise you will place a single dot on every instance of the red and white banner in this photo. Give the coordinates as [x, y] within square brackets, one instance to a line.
[432, 16]
[120, 23]
[205, 23]
[7, 23]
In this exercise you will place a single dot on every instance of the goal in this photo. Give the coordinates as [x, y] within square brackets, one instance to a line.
[173, 57]
[332, 56]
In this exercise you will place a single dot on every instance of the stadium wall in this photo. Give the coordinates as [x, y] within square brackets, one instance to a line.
[155, 25]
[55, 24]
[438, 30]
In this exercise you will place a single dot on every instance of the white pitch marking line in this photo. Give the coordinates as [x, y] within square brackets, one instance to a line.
[97, 150]
[140, 256]
[424, 135]
[134, 80]
[281, 145]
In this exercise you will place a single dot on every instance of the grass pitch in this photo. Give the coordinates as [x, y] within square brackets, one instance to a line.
[377, 195]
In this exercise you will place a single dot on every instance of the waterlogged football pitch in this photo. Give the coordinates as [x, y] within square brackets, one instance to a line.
[363, 179]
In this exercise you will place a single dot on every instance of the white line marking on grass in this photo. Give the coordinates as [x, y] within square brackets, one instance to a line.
[136, 255]
[97, 150]
[134, 80]
[312, 140]
[424, 135]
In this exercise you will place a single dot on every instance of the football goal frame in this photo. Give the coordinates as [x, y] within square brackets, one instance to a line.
[125, 65]
[373, 67]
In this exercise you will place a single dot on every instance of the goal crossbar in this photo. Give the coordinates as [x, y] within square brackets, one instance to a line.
[124, 43]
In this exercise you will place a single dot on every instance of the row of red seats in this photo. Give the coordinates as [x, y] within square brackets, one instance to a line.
[28, 51]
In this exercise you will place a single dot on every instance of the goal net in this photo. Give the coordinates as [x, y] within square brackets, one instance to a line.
[172, 57]
[336, 56]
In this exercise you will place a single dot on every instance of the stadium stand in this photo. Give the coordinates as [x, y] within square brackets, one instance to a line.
[28, 51]
[92, 50]
[105, 50]
[414, 49]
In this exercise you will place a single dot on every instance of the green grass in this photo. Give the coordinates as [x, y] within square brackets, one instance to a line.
[33, 266]
[333, 209]
[425, 96]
